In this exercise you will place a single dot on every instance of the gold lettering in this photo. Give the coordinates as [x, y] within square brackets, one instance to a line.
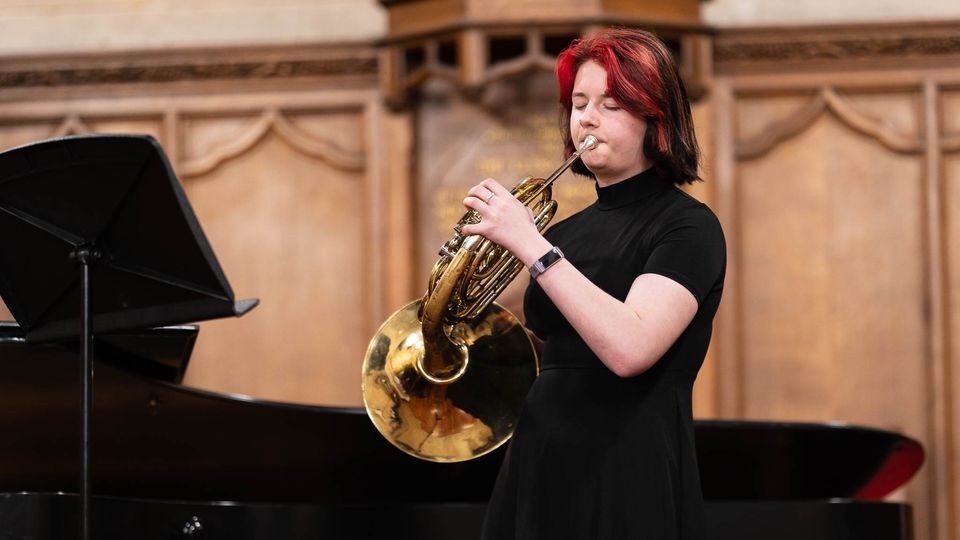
[495, 135]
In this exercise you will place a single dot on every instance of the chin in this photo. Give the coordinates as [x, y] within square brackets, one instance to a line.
[595, 168]
[592, 161]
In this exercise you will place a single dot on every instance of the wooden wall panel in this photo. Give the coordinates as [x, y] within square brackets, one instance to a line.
[288, 229]
[952, 199]
[951, 174]
[837, 172]
[705, 389]
[823, 219]
[13, 133]
[832, 309]
[838, 194]
[950, 115]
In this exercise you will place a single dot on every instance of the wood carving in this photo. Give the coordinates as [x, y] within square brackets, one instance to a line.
[71, 125]
[826, 100]
[831, 43]
[171, 72]
[528, 62]
[431, 68]
[273, 119]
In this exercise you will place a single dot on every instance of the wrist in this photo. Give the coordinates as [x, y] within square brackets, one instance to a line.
[533, 250]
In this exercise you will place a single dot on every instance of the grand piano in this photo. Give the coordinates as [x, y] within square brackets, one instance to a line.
[171, 461]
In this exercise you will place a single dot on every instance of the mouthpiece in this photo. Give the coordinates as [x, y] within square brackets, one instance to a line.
[588, 143]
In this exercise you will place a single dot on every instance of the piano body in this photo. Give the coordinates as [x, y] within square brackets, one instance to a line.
[175, 462]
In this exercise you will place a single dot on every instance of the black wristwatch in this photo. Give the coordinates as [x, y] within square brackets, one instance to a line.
[551, 258]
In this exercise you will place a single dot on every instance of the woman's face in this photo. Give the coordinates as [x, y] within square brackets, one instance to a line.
[619, 154]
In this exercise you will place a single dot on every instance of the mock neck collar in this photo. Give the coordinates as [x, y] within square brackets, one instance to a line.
[634, 189]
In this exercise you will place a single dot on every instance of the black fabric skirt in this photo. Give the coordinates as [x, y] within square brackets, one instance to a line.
[595, 456]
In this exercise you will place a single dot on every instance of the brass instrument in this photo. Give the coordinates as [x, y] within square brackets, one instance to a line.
[445, 377]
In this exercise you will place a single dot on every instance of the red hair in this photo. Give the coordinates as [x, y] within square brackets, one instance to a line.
[642, 77]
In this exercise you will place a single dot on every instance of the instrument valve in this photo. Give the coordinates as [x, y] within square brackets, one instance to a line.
[448, 250]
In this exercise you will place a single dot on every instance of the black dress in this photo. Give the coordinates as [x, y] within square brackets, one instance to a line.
[596, 456]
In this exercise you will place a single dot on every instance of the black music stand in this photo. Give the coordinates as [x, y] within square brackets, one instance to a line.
[98, 236]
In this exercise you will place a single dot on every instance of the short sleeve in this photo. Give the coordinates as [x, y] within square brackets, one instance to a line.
[690, 249]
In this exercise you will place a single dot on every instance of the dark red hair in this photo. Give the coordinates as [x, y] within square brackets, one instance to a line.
[642, 77]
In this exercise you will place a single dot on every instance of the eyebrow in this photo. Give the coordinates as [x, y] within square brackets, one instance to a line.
[581, 94]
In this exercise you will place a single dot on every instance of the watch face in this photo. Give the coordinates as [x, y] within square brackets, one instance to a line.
[545, 262]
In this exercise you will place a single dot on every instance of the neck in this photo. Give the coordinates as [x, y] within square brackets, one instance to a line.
[604, 181]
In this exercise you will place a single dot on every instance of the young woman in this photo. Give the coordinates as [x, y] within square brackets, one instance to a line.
[623, 296]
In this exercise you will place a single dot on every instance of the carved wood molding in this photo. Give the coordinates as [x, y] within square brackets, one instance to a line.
[826, 100]
[476, 55]
[71, 125]
[275, 121]
[264, 63]
[271, 82]
[271, 119]
[534, 59]
[748, 49]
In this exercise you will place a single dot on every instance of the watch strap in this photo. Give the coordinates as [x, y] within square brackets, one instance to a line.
[549, 259]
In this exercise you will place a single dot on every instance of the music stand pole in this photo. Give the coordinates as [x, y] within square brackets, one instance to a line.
[84, 255]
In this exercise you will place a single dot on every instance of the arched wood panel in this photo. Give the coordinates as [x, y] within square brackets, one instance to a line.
[838, 194]
[293, 235]
[825, 219]
[832, 308]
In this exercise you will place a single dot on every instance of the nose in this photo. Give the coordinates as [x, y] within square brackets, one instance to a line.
[588, 118]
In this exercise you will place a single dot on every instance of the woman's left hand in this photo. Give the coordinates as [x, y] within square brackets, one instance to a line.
[504, 219]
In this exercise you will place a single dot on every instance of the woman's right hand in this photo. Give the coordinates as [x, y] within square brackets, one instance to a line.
[504, 220]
